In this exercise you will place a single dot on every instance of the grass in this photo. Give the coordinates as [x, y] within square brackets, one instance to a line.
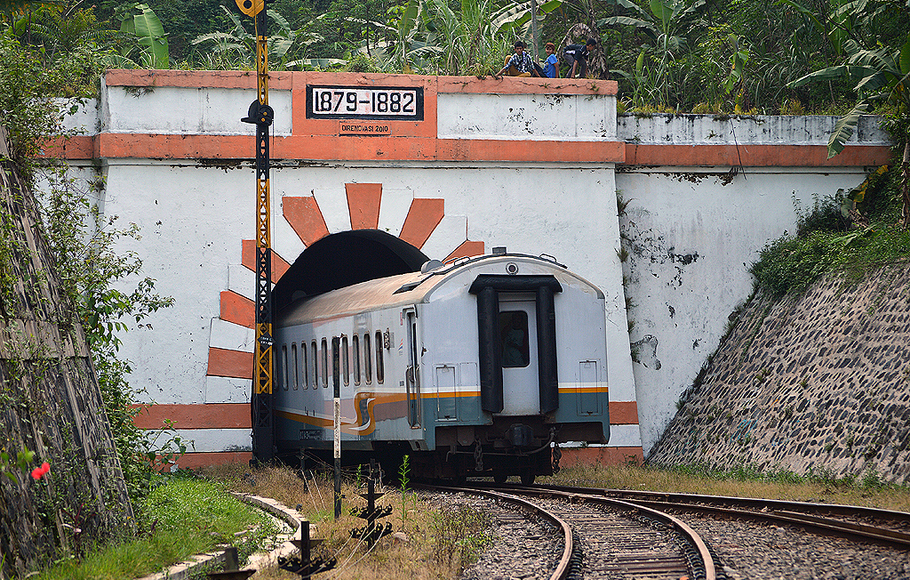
[182, 516]
[866, 490]
[430, 542]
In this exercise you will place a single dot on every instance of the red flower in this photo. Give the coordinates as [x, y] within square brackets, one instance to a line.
[40, 472]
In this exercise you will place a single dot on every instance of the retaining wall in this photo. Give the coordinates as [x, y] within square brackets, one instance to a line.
[817, 383]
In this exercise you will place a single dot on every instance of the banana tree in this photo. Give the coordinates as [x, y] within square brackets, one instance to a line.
[142, 22]
[881, 75]
[666, 23]
[240, 45]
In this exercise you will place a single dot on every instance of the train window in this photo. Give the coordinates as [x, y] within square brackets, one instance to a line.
[380, 371]
[336, 351]
[345, 361]
[296, 368]
[304, 367]
[513, 329]
[315, 367]
[367, 360]
[325, 364]
[355, 340]
[284, 365]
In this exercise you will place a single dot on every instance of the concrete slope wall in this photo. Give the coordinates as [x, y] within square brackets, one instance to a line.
[50, 404]
[815, 383]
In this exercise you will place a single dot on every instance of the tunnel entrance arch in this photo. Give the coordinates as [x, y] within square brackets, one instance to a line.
[344, 259]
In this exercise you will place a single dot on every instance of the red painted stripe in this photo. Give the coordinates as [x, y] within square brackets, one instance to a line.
[332, 147]
[423, 217]
[77, 147]
[194, 79]
[248, 259]
[199, 416]
[305, 217]
[623, 413]
[282, 80]
[754, 155]
[237, 309]
[526, 85]
[466, 249]
[230, 363]
[197, 460]
[601, 456]
[363, 204]
[530, 151]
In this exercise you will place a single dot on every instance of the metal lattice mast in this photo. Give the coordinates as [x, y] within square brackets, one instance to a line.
[261, 114]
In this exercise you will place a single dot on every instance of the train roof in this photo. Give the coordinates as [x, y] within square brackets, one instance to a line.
[416, 287]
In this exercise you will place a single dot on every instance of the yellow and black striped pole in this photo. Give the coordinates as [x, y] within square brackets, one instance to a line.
[261, 115]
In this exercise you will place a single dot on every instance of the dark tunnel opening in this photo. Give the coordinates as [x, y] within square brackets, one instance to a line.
[343, 259]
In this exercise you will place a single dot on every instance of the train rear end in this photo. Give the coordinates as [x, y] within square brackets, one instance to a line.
[517, 365]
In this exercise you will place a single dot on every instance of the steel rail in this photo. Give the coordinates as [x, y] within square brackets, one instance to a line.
[814, 523]
[563, 568]
[680, 526]
[798, 513]
[757, 503]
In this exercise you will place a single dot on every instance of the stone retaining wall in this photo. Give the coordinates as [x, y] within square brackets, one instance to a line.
[818, 383]
[50, 404]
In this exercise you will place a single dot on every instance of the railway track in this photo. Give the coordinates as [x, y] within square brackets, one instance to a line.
[856, 523]
[608, 538]
[632, 534]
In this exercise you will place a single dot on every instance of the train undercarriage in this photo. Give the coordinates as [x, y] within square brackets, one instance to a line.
[524, 447]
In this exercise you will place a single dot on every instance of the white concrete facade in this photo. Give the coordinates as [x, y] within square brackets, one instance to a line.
[512, 163]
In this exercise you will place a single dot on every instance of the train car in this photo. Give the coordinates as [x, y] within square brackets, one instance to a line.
[479, 367]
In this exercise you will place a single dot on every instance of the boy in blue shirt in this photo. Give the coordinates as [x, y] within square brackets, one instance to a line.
[551, 65]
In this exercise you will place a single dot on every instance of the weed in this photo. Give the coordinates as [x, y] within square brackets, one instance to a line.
[459, 535]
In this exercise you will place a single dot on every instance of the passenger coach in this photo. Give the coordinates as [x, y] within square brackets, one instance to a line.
[479, 367]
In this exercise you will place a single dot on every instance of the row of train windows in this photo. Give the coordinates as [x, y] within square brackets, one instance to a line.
[303, 367]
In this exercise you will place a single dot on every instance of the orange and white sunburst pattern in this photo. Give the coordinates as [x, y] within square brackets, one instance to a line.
[421, 222]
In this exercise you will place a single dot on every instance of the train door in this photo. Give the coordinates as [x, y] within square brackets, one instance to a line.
[412, 374]
[517, 327]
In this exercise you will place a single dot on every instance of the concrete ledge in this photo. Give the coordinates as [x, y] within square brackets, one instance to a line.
[257, 561]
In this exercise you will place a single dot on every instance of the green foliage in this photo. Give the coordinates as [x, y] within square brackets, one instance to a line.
[181, 517]
[460, 535]
[27, 105]
[93, 276]
[237, 48]
[870, 480]
[142, 22]
[22, 462]
[825, 241]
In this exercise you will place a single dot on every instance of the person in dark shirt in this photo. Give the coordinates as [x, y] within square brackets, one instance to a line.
[576, 57]
[520, 64]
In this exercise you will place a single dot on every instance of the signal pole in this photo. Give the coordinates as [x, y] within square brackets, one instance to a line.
[261, 115]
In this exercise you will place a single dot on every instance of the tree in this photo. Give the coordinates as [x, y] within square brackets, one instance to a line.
[881, 75]
[238, 47]
[666, 22]
[142, 22]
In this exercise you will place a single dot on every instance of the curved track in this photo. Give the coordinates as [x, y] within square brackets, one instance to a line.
[609, 538]
[853, 522]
